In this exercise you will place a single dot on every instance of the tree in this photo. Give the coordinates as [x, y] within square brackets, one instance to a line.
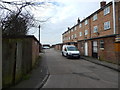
[17, 25]
[16, 22]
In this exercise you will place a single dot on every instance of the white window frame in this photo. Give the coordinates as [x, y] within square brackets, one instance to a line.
[86, 22]
[107, 25]
[69, 38]
[86, 32]
[80, 34]
[75, 28]
[72, 36]
[106, 10]
[95, 29]
[75, 35]
[102, 44]
[71, 30]
[80, 25]
[95, 17]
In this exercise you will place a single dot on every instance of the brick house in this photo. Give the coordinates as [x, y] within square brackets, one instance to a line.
[96, 35]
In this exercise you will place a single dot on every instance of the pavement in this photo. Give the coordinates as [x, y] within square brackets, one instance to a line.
[38, 76]
[103, 63]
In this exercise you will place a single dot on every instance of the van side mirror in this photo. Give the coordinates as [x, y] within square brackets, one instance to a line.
[65, 49]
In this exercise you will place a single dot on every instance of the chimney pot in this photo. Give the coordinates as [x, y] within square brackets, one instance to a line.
[68, 28]
[103, 3]
[78, 20]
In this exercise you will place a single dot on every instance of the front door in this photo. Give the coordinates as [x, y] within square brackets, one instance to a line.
[86, 49]
[95, 49]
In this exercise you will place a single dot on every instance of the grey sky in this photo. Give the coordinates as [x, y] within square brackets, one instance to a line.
[62, 14]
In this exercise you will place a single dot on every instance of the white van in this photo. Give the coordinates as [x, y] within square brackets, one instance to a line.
[70, 51]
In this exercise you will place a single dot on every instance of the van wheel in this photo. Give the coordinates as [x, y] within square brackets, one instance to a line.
[62, 54]
[67, 56]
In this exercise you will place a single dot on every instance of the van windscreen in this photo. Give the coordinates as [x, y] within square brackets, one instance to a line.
[72, 49]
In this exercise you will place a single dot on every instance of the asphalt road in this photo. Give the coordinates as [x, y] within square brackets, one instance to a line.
[77, 73]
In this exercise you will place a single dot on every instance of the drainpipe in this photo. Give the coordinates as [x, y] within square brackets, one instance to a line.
[114, 18]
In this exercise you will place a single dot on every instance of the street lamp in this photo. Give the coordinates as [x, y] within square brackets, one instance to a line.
[39, 39]
[39, 33]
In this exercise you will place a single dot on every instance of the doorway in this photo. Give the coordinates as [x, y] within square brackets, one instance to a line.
[86, 49]
[95, 49]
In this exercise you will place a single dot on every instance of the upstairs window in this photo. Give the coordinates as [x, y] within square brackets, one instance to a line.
[106, 25]
[106, 10]
[75, 28]
[86, 32]
[80, 33]
[75, 35]
[95, 29]
[95, 17]
[71, 30]
[69, 38]
[80, 25]
[72, 36]
[86, 22]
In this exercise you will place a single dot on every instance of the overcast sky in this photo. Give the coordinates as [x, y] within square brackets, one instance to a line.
[62, 14]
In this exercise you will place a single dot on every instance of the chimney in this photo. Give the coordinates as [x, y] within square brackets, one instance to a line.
[68, 28]
[78, 20]
[103, 3]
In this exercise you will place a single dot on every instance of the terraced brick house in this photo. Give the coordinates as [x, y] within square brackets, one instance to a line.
[98, 35]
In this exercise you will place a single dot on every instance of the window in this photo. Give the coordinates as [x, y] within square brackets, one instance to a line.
[80, 25]
[86, 32]
[75, 35]
[95, 17]
[86, 22]
[106, 10]
[101, 44]
[69, 38]
[72, 36]
[75, 28]
[107, 25]
[95, 29]
[80, 33]
[71, 30]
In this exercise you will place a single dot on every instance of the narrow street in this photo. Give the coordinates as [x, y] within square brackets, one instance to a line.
[77, 73]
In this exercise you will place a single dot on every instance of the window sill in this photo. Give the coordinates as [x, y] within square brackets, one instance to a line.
[101, 48]
[107, 29]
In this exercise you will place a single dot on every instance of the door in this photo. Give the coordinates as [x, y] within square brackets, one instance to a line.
[95, 49]
[86, 49]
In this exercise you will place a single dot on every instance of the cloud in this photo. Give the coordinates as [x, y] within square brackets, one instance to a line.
[62, 14]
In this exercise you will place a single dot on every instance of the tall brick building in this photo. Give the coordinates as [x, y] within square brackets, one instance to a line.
[98, 34]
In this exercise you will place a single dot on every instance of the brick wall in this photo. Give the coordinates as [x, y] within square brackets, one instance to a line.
[35, 51]
[18, 54]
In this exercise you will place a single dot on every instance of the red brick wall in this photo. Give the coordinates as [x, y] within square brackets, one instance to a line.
[35, 51]
[108, 53]
[81, 47]
[117, 12]
[111, 51]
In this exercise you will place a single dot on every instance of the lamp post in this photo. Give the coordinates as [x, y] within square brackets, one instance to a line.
[39, 33]
[39, 39]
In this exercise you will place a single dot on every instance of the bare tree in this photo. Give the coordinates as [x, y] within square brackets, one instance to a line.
[18, 21]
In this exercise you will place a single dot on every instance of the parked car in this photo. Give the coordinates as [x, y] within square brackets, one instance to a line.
[46, 47]
[70, 51]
